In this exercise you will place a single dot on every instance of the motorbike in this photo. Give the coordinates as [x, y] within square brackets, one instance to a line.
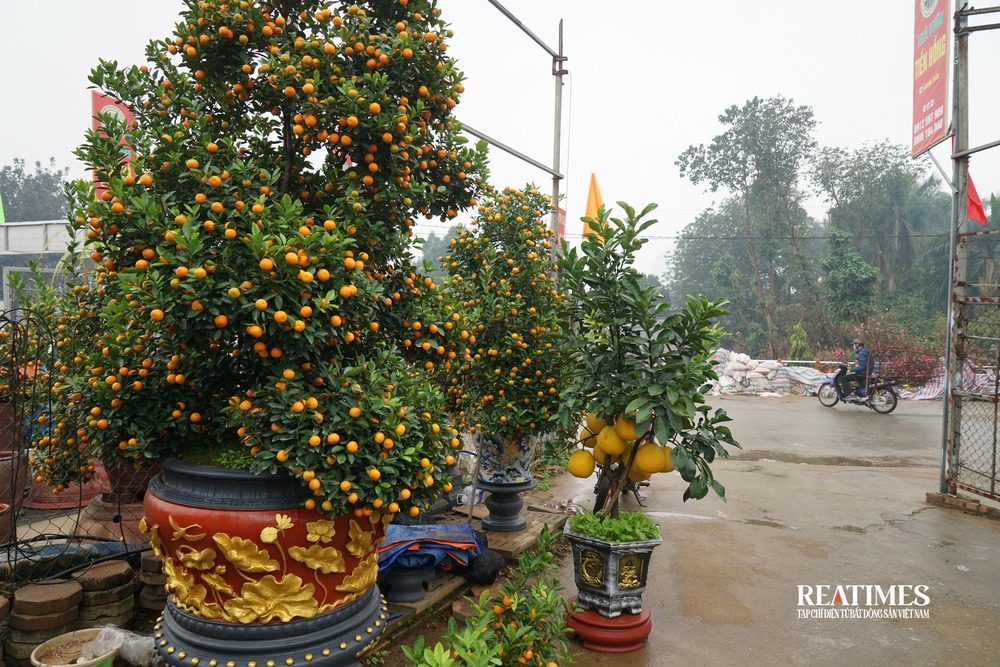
[602, 489]
[877, 395]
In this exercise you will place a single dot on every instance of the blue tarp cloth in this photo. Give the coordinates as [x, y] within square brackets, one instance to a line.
[440, 546]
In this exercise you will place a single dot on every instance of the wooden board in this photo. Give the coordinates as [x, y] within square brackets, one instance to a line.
[479, 511]
[511, 545]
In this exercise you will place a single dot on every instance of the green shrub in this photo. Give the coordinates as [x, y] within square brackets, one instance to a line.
[626, 527]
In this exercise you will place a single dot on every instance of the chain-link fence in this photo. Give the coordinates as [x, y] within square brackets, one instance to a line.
[50, 525]
[973, 463]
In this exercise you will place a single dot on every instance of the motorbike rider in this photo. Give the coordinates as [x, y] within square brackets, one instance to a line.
[860, 371]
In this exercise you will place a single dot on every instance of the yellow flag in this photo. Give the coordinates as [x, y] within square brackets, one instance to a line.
[594, 202]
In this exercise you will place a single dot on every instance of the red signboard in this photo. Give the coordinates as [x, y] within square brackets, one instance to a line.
[103, 104]
[931, 38]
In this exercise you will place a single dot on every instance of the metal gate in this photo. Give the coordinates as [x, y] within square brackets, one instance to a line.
[974, 419]
[970, 461]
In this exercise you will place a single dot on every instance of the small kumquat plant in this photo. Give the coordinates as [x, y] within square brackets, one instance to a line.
[523, 624]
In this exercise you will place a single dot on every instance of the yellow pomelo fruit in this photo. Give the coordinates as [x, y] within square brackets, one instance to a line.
[667, 465]
[637, 475]
[603, 458]
[625, 428]
[581, 463]
[609, 441]
[649, 458]
[587, 438]
[595, 423]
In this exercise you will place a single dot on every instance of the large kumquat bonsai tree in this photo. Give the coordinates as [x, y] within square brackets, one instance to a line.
[253, 258]
[500, 273]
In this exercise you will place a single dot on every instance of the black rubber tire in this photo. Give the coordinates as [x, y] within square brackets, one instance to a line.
[827, 395]
[883, 401]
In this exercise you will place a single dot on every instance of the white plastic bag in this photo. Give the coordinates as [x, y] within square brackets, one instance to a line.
[134, 649]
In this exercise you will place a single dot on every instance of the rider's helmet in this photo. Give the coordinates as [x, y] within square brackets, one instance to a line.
[857, 343]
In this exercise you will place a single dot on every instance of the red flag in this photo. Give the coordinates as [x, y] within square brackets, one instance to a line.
[975, 209]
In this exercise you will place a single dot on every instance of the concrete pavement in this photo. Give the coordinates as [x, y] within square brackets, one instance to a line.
[817, 496]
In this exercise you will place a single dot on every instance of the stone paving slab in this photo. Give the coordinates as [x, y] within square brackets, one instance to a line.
[110, 596]
[43, 621]
[47, 597]
[102, 576]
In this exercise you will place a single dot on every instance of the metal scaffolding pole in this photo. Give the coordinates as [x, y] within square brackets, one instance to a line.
[558, 60]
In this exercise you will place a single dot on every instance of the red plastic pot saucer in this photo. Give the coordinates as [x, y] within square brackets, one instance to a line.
[623, 634]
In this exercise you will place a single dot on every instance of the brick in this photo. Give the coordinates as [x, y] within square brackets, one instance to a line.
[935, 497]
[477, 590]
[150, 563]
[153, 578]
[43, 621]
[118, 621]
[461, 609]
[88, 614]
[152, 598]
[95, 598]
[102, 576]
[18, 651]
[4, 608]
[39, 636]
[47, 597]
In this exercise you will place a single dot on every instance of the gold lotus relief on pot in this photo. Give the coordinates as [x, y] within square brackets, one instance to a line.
[269, 590]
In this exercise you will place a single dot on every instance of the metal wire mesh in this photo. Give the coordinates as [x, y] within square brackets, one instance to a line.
[976, 467]
[47, 529]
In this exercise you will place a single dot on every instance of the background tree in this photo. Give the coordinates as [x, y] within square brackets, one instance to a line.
[800, 343]
[850, 284]
[758, 159]
[37, 195]
[433, 249]
[879, 196]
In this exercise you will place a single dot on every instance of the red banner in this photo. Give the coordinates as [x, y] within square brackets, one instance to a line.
[103, 104]
[561, 224]
[931, 39]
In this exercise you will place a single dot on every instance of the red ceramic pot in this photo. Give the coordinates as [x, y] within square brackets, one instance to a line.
[240, 552]
[13, 478]
[6, 524]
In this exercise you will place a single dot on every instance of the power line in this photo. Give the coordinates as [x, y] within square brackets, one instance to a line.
[442, 226]
[674, 237]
